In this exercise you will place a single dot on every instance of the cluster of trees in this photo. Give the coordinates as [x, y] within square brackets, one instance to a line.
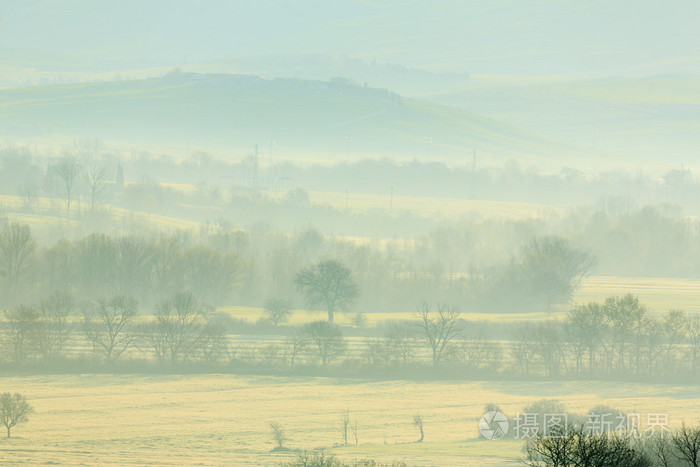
[182, 329]
[36, 172]
[224, 266]
[617, 337]
[578, 447]
[613, 339]
[656, 239]
[149, 268]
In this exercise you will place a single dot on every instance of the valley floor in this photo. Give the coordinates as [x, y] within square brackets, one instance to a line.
[223, 419]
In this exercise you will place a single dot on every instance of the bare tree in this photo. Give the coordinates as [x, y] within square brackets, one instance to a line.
[16, 248]
[180, 322]
[588, 325]
[29, 192]
[438, 328]
[109, 325]
[277, 310]
[327, 339]
[687, 442]
[328, 283]
[54, 311]
[674, 327]
[14, 410]
[297, 343]
[379, 351]
[660, 448]
[278, 434]
[401, 337]
[693, 332]
[95, 172]
[213, 344]
[354, 430]
[68, 169]
[580, 448]
[345, 424]
[25, 333]
[418, 423]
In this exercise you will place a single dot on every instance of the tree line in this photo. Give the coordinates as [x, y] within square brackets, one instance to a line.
[224, 266]
[616, 339]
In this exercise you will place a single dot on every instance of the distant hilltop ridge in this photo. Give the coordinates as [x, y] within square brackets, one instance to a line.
[331, 121]
[338, 84]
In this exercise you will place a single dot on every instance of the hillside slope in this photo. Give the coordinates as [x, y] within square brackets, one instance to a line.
[298, 118]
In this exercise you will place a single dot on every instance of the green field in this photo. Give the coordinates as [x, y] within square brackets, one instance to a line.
[222, 419]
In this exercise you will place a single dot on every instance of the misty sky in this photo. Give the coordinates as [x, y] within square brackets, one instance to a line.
[492, 36]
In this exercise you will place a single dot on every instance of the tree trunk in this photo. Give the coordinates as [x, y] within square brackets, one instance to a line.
[330, 315]
[8, 431]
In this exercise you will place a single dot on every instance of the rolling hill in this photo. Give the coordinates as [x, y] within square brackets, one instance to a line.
[655, 117]
[316, 120]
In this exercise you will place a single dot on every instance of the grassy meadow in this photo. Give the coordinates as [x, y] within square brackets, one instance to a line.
[223, 419]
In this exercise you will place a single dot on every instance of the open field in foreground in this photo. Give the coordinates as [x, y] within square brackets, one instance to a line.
[223, 419]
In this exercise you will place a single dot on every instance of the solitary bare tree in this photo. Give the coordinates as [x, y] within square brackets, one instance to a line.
[278, 434]
[418, 422]
[438, 328]
[96, 179]
[354, 429]
[68, 170]
[328, 283]
[14, 410]
[345, 424]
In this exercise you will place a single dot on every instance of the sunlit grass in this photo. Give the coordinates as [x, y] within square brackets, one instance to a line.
[223, 419]
[659, 294]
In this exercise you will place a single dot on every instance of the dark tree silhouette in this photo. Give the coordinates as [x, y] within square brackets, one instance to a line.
[418, 422]
[328, 283]
[14, 410]
[687, 442]
[278, 434]
[438, 328]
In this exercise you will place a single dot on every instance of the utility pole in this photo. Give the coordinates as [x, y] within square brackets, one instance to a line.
[473, 173]
[256, 179]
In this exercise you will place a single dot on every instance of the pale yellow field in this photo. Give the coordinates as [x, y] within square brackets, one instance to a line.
[222, 419]
[657, 293]
[41, 220]
[429, 206]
